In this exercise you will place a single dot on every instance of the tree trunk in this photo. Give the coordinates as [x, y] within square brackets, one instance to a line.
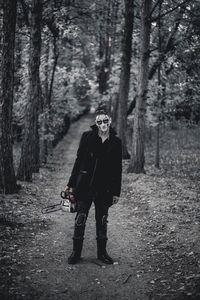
[159, 95]
[46, 144]
[138, 159]
[125, 75]
[18, 57]
[55, 52]
[8, 179]
[29, 162]
[105, 42]
[44, 112]
[46, 72]
[114, 104]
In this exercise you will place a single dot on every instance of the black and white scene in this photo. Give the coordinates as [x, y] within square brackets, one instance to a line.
[99, 150]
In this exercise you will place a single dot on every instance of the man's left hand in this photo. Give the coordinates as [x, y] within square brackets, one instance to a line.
[115, 199]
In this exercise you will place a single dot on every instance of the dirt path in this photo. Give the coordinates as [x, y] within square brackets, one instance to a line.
[88, 280]
[156, 256]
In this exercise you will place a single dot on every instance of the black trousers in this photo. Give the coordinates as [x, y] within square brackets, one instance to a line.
[101, 215]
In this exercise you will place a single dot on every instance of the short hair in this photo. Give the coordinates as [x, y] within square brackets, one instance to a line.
[102, 110]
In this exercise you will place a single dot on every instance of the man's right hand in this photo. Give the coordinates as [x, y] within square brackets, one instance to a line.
[115, 199]
[71, 196]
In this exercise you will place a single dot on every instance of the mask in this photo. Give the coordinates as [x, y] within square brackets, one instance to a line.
[103, 122]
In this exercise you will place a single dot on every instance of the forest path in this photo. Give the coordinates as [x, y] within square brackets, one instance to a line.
[46, 273]
[153, 237]
[89, 279]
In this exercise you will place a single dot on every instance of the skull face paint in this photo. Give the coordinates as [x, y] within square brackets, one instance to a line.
[103, 122]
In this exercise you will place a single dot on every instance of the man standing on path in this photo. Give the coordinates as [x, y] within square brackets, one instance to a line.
[96, 177]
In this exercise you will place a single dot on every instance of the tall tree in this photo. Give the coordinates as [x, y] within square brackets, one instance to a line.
[29, 162]
[138, 159]
[169, 44]
[157, 156]
[8, 179]
[125, 74]
[45, 145]
[106, 16]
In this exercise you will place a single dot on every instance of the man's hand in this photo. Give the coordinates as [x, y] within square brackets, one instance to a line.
[115, 199]
[71, 196]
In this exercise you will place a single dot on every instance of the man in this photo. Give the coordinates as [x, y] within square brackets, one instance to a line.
[96, 177]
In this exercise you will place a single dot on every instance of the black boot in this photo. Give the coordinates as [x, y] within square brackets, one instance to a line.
[76, 254]
[102, 253]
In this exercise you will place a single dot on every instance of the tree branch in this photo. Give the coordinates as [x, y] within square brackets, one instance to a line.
[169, 45]
[169, 11]
[132, 105]
[156, 4]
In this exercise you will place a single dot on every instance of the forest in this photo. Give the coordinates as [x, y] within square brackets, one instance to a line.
[60, 60]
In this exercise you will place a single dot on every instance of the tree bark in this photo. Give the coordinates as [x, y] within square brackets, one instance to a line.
[125, 75]
[8, 179]
[105, 45]
[55, 51]
[159, 95]
[29, 162]
[45, 120]
[138, 158]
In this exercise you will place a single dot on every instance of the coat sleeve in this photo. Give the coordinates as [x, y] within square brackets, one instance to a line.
[78, 162]
[117, 171]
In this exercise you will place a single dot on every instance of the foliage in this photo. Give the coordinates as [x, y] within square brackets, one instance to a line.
[81, 61]
[179, 72]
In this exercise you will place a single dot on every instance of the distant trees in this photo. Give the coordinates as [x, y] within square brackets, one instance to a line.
[70, 55]
[159, 57]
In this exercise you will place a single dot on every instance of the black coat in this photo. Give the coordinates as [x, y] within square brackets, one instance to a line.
[84, 167]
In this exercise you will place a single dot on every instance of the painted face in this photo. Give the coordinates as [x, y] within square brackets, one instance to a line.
[103, 122]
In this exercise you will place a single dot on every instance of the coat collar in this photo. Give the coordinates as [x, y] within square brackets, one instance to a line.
[95, 129]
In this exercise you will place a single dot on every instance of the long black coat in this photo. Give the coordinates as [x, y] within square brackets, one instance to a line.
[87, 156]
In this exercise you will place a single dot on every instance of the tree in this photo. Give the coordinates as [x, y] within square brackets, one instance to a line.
[45, 108]
[29, 162]
[169, 44]
[104, 46]
[138, 158]
[157, 156]
[125, 74]
[8, 179]
[106, 15]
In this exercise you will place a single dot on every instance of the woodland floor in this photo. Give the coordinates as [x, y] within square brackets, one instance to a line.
[153, 231]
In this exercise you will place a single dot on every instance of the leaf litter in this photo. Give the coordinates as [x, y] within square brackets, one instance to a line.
[156, 236]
